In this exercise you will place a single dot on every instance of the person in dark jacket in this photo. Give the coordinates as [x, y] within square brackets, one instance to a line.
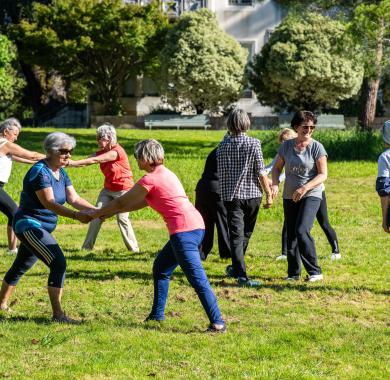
[208, 202]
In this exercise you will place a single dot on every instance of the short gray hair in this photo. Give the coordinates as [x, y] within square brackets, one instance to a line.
[107, 130]
[238, 121]
[57, 140]
[10, 124]
[150, 151]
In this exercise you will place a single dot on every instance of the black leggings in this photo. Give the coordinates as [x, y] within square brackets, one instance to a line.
[7, 205]
[37, 243]
[323, 221]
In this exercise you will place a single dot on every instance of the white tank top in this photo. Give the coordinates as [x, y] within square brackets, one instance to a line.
[5, 163]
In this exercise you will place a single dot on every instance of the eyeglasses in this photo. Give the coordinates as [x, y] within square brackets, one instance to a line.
[311, 127]
[65, 151]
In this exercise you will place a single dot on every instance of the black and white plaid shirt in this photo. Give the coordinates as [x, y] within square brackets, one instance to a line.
[240, 162]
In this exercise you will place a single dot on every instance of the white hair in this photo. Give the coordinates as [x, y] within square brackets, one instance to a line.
[10, 124]
[58, 140]
[107, 130]
[150, 151]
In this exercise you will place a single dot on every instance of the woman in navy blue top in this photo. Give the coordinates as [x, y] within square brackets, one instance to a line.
[46, 188]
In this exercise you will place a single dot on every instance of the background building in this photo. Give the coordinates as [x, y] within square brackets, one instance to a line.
[249, 21]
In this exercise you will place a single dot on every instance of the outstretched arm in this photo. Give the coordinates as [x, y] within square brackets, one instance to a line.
[20, 154]
[133, 200]
[105, 157]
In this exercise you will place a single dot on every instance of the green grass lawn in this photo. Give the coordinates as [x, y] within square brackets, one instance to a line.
[337, 329]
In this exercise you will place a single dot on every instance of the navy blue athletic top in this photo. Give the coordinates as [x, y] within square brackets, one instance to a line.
[31, 212]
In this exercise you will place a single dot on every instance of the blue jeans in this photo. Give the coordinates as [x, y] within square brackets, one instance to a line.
[182, 249]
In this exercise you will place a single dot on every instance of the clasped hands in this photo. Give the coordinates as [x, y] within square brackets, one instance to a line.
[86, 215]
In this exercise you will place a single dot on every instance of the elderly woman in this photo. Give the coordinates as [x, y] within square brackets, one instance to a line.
[383, 179]
[9, 151]
[162, 190]
[46, 187]
[305, 162]
[118, 179]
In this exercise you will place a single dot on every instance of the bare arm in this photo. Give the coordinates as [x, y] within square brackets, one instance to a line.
[22, 160]
[264, 181]
[133, 200]
[105, 157]
[322, 169]
[46, 197]
[385, 209]
[277, 169]
[76, 201]
[18, 152]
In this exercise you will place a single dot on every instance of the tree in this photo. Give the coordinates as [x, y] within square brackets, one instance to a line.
[99, 42]
[10, 83]
[309, 62]
[370, 25]
[201, 63]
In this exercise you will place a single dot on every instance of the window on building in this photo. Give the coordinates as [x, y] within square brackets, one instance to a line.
[241, 2]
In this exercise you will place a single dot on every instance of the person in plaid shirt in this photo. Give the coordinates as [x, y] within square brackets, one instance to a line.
[242, 176]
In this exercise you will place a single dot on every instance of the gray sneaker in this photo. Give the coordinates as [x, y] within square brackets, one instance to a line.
[314, 278]
[292, 278]
[335, 256]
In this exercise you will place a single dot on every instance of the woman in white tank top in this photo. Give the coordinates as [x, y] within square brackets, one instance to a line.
[9, 151]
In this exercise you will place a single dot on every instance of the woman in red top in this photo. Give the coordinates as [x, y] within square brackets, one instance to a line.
[118, 179]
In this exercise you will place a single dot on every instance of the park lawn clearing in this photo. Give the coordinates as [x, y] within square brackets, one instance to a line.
[337, 329]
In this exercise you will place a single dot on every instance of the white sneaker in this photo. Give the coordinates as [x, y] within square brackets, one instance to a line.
[281, 257]
[335, 256]
[314, 278]
[12, 252]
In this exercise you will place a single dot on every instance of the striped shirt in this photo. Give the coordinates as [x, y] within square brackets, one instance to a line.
[240, 163]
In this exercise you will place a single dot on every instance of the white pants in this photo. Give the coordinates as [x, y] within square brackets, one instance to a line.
[122, 218]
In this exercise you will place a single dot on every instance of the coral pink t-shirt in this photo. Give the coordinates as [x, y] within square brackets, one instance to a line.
[117, 173]
[167, 196]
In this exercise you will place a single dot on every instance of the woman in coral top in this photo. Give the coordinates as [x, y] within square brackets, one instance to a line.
[118, 179]
[161, 190]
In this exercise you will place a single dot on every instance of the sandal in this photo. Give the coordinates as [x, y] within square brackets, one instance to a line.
[65, 319]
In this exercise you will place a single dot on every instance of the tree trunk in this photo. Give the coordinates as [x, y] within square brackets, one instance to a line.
[370, 98]
[369, 108]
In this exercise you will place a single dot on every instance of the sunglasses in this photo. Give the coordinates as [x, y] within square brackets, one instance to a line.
[311, 127]
[65, 151]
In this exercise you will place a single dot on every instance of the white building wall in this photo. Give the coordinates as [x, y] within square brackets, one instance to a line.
[250, 25]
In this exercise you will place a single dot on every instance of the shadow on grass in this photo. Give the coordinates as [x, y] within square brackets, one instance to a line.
[21, 318]
[302, 287]
[110, 256]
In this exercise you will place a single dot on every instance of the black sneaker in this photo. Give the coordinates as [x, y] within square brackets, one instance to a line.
[230, 271]
[246, 282]
[216, 330]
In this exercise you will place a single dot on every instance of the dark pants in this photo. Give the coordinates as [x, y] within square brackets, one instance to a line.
[182, 249]
[241, 216]
[213, 211]
[323, 221]
[37, 243]
[7, 205]
[299, 217]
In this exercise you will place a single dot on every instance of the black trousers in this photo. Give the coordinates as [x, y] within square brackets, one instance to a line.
[299, 217]
[7, 205]
[323, 221]
[214, 213]
[241, 216]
